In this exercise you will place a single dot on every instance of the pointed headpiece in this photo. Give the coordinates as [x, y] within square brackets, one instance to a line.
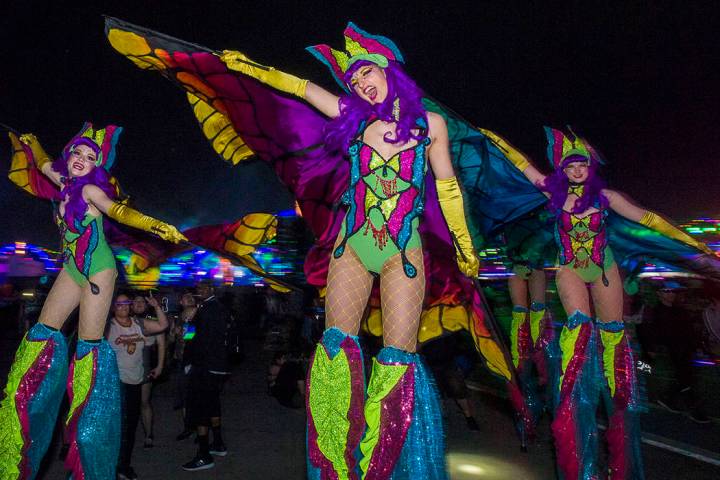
[102, 141]
[562, 146]
[359, 45]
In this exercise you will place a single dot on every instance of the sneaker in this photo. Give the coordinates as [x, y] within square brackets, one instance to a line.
[218, 449]
[200, 462]
[126, 473]
[472, 424]
[184, 434]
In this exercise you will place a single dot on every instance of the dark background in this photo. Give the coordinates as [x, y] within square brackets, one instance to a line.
[638, 78]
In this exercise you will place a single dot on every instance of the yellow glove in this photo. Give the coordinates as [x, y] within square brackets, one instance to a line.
[451, 204]
[516, 157]
[128, 216]
[40, 158]
[659, 224]
[268, 75]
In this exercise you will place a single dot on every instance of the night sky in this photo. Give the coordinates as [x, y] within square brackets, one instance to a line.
[639, 79]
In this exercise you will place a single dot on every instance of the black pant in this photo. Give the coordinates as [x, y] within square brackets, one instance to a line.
[203, 396]
[131, 399]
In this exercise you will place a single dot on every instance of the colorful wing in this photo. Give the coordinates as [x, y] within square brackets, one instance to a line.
[148, 250]
[25, 174]
[530, 240]
[237, 241]
[634, 244]
[496, 193]
[242, 117]
[287, 133]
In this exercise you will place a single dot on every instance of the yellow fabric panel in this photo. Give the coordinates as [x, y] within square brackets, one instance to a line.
[429, 328]
[373, 324]
[495, 360]
[144, 280]
[454, 318]
[440, 319]
[19, 165]
[219, 130]
[136, 264]
[135, 48]
[254, 229]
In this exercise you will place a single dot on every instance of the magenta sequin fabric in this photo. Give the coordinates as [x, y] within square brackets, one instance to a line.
[565, 426]
[27, 389]
[623, 431]
[395, 419]
[334, 342]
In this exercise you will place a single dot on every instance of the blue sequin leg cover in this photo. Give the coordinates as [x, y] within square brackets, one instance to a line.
[574, 426]
[404, 439]
[93, 422]
[32, 397]
[621, 398]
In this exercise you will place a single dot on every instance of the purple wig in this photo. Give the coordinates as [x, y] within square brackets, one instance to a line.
[557, 185]
[341, 131]
[76, 206]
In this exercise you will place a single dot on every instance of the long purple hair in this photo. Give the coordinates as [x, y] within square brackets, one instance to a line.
[341, 131]
[557, 185]
[76, 206]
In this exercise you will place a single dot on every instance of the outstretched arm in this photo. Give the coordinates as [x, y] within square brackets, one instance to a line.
[131, 217]
[152, 328]
[517, 158]
[450, 195]
[623, 206]
[315, 95]
[40, 158]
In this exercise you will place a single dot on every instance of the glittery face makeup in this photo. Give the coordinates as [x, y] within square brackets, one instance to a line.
[370, 84]
[81, 161]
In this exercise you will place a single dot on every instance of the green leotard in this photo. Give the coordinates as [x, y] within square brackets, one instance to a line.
[85, 250]
[385, 199]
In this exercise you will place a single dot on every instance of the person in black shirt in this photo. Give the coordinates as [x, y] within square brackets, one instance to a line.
[672, 328]
[208, 370]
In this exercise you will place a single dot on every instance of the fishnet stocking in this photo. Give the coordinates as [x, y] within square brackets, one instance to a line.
[348, 289]
[402, 301]
[608, 300]
[573, 292]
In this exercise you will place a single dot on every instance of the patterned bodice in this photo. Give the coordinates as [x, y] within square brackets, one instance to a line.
[79, 241]
[385, 195]
[582, 239]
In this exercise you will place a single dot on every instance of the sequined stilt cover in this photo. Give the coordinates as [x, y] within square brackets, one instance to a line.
[31, 400]
[92, 428]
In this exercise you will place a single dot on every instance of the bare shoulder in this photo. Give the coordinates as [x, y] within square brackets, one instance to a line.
[436, 125]
[91, 191]
[435, 120]
[609, 194]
